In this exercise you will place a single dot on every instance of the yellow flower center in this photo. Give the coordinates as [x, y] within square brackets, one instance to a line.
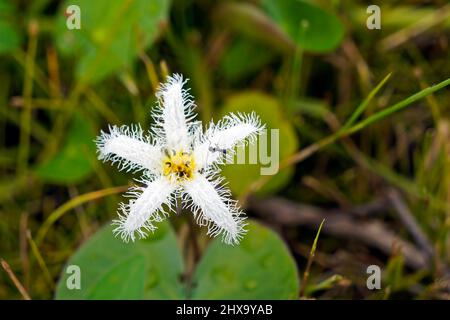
[179, 166]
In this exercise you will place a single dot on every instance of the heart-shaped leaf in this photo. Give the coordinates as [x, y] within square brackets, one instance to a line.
[312, 28]
[111, 269]
[152, 268]
[260, 267]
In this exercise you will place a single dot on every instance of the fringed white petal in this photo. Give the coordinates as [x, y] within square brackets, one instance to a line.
[146, 206]
[128, 147]
[175, 129]
[212, 206]
[218, 142]
[174, 113]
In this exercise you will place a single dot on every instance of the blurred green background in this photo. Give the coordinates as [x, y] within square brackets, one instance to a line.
[312, 69]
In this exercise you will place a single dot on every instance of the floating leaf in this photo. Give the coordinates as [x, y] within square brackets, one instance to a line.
[152, 268]
[74, 161]
[241, 176]
[260, 267]
[111, 269]
[312, 28]
[111, 34]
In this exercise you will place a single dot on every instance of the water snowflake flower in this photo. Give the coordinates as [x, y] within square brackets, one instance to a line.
[178, 160]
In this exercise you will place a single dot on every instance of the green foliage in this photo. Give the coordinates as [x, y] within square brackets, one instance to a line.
[260, 267]
[9, 37]
[153, 268]
[268, 108]
[234, 68]
[74, 162]
[111, 35]
[245, 56]
[312, 28]
[112, 269]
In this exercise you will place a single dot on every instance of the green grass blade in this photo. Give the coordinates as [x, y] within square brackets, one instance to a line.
[396, 107]
[363, 106]
[310, 260]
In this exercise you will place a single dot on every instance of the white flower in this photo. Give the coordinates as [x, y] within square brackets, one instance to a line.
[178, 160]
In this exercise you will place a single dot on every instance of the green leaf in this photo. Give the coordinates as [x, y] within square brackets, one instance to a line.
[241, 176]
[111, 269]
[9, 37]
[312, 28]
[74, 162]
[111, 34]
[152, 268]
[235, 68]
[260, 267]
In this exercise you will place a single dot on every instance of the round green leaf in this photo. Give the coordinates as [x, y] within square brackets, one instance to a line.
[74, 161]
[111, 34]
[312, 28]
[241, 176]
[260, 267]
[111, 269]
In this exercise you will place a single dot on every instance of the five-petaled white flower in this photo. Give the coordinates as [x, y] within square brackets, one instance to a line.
[178, 160]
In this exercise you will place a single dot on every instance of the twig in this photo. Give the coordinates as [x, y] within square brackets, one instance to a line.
[24, 257]
[410, 222]
[372, 233]
[369, 209]
[14, 279]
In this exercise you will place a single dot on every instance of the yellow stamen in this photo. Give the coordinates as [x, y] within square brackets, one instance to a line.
[179, 166]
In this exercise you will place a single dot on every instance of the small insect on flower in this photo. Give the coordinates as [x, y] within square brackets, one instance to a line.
[177, 161]
[214, 149]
